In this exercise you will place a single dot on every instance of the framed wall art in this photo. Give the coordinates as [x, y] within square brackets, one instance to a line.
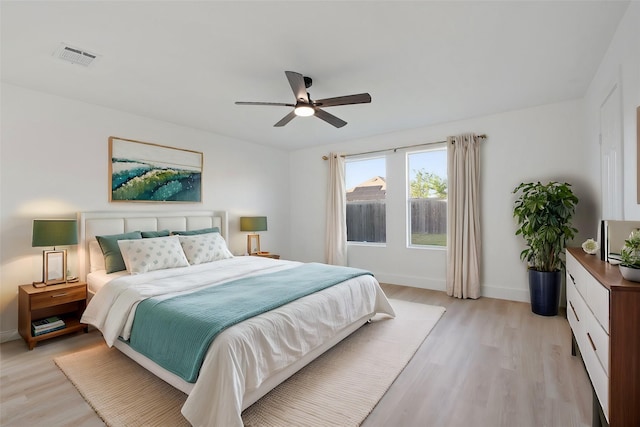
[146, 172]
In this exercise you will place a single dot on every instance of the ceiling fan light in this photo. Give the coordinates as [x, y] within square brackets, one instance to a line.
[304, 111]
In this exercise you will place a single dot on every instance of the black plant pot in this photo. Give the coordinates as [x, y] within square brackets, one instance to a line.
[544, 287]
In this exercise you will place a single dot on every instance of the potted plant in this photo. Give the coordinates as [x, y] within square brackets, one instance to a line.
[544, 213]
[630, 257]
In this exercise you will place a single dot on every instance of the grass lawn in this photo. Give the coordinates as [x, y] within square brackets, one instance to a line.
[429, 239]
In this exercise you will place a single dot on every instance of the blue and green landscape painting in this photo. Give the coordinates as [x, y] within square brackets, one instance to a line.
[136, 180]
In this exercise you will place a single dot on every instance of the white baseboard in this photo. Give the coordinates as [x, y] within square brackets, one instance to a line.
[9, 335]
[412, 281]
[521, 295]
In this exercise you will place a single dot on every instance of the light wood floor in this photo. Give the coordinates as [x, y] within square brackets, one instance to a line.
[486, 363]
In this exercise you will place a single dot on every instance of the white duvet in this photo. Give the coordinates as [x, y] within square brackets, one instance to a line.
[244, 357]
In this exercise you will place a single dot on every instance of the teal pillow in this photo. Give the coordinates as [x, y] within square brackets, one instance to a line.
[194, 232]
[159, 233]
[112, 256]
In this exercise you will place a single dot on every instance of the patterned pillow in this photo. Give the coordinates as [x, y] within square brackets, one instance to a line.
[155, 253]
[203, 248]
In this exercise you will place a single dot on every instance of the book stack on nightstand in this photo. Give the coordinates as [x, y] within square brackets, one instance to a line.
[47, 325]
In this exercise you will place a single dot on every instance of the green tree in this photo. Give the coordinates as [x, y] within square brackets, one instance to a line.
[427, 184]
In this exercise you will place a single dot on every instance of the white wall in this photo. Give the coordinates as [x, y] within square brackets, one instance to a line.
[551, 142]
[543, 143]
[621, 65]
[54, 163]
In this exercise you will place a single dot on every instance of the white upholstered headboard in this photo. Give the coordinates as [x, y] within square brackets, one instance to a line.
[104, 223]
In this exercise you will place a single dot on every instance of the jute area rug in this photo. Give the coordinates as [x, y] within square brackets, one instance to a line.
[340, 388]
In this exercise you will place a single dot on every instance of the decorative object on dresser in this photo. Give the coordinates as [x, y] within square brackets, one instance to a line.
[145, 172]
[603, 310]
[590, 246]
[544, 213]
[52, 233]
[253, 224]
[630, 257]
[49, 312]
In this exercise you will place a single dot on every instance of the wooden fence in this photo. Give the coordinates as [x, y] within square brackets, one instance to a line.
[366, 220]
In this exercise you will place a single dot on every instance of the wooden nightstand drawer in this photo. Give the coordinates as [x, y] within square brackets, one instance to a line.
[56, 297]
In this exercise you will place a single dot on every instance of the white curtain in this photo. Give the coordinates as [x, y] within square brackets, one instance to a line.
[336, 236]
[463, 217]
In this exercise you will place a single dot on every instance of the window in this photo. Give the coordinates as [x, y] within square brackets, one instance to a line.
[366, 204]
[427, 197]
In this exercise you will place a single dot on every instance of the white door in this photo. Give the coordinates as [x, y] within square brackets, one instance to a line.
[611, 155]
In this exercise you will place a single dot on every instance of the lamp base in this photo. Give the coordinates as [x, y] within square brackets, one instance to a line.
[253, 243]
[54, 267]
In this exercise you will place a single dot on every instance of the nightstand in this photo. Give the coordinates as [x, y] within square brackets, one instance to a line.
[67, 301]
[266, 255]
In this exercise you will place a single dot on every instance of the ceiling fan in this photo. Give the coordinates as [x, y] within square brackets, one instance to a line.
[305, 106]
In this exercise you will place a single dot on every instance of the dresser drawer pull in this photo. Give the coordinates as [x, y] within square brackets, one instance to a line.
[59, 295]
[591, 342]
[574, 311]
[572, 279]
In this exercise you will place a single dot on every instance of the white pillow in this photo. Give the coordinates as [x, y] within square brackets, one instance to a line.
[201, 248]
[156, 253]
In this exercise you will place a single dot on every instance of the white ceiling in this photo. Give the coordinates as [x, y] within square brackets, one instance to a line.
[422, 62]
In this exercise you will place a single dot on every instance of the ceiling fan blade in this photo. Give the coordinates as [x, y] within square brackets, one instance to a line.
[329, 118]
[286, 119]
[279, 104]
[296, 80]
[360, 98]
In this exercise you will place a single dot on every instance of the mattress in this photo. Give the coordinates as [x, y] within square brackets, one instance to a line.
[97, 279]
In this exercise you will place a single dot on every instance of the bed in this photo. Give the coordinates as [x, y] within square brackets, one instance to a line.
[245, 360]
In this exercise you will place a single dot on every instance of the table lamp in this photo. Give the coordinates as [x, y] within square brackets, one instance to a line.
[253, 224]
[54, 232]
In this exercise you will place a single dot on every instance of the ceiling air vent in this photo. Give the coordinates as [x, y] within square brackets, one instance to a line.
[75, 55]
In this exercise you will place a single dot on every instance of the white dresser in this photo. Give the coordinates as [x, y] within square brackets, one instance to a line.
[603, 310]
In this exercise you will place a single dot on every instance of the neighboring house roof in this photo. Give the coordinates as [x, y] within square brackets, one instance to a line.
[372, 189]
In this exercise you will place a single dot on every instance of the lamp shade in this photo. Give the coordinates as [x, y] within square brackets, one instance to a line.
[54, 232]
[253, 223]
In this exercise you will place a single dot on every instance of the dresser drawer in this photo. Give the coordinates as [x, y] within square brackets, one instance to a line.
[598, 340]
[597, 374]
[576, 274]
[597, 299]
[56, 297]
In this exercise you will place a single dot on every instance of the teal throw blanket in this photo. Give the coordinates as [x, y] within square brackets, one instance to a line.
[176, 332]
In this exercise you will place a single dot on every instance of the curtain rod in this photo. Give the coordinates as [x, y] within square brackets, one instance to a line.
[483, 136]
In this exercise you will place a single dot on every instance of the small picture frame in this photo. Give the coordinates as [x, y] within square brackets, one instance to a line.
[54, 267]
